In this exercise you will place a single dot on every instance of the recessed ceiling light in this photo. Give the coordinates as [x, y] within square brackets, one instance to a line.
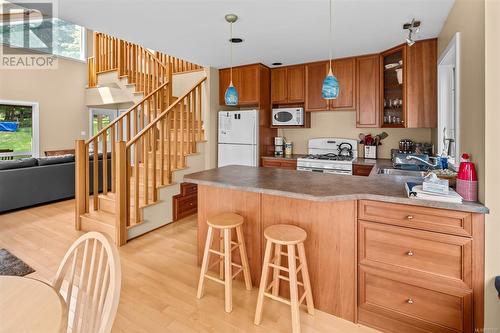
[236, 40]
[277, 63]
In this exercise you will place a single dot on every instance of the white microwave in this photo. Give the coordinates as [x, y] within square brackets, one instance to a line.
[288, 117]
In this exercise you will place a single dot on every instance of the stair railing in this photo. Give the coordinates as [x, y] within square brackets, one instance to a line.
[100, 148]
[143, 67]
[145, 163]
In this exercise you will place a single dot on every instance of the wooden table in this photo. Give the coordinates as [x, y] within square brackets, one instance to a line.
[28, 305]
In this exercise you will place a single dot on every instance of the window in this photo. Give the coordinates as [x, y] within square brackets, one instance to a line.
[68, 38]
[18, 129]
[449, 101]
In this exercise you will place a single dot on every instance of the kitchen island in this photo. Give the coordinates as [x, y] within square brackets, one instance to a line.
[375, 256]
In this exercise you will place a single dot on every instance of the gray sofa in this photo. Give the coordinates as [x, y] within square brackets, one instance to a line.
[29, 182]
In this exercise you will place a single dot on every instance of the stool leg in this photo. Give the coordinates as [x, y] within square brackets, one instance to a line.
[276, 272]
[244, 258]
[294, 293]
[204, 265]
[228, 275]
[221, 249]
[263, 283]
[305, 279]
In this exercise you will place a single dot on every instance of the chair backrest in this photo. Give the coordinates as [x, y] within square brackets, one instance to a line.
[89, 279]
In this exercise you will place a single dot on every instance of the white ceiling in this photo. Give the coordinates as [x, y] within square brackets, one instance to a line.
[287, 31]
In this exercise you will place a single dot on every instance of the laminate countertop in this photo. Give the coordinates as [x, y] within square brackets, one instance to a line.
[321, 187]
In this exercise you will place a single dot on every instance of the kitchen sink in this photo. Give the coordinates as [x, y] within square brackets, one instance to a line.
[399, 172]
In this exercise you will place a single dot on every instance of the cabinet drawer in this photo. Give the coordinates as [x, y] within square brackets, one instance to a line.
[432, 219]
[422, 309]
[270, 163]
[184, 206]
[189, 189]
[417, 253]
[361, 170]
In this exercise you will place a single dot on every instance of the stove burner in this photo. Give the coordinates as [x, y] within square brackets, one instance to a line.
[329, 157]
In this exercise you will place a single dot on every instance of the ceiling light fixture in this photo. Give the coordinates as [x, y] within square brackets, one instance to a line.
[277, 63]
[413, 28]
[231, 95]
[331, 87]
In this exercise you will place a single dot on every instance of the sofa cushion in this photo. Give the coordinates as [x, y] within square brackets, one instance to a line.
[16, 164]
[56, 159]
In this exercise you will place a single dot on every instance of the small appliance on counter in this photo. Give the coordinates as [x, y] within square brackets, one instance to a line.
[288, 117]
[289, 148]
[329, 155]
[279, 144]
[406, 146]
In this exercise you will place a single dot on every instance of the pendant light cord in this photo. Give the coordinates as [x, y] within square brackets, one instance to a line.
[331, 38]
[231, 50]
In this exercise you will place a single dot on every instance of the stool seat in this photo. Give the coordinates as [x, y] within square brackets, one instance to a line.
[225, 221]
[285, 234]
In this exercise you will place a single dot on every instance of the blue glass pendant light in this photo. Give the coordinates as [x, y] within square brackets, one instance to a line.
[231, 95]
[331, 86]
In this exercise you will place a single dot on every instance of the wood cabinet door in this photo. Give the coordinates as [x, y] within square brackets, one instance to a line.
[248, 85]
[279, 91]
[344, 71]
[315, 74]
[421, 84]
[296, 84]
[367, 91]
[224, 80]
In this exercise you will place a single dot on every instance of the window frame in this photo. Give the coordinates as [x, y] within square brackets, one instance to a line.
[35, 126]
[83, 45]
[453, 46]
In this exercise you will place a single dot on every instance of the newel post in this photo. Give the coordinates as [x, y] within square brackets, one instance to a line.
[80, 181]
[121, 193]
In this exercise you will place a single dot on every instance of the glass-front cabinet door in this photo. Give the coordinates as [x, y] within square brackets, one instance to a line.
[393, 83]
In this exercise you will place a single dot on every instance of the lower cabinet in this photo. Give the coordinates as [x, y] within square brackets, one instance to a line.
[279, 163]
[412, 279]
[361, 169]
[185, 203]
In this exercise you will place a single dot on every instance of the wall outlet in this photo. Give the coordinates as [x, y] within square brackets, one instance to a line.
[83, 133]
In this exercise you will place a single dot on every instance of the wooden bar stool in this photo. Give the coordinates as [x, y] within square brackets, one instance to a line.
[279, 236]
[225, 223]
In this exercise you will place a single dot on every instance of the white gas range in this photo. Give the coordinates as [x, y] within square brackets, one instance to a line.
[326, 157]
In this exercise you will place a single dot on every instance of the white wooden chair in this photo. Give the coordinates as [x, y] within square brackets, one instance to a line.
[89, 279]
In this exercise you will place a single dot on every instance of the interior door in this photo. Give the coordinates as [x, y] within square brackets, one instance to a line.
[99, 119]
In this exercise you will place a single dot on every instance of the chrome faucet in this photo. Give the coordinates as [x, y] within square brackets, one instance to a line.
[430, 165]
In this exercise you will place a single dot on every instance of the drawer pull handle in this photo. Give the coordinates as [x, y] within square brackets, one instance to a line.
[409, 301]
[410, 253]
[409, 217]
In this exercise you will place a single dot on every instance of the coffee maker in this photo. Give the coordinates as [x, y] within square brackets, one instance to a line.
[279, 143]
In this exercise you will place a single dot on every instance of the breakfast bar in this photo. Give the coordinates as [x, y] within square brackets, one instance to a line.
[375, 256]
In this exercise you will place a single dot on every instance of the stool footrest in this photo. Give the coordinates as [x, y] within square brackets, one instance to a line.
[286, 254]
[214, 279]
[302, 298]
[238, 272]
[216, 252]
[288, 279]
[277, 298]
[278, 267]
[217, 262]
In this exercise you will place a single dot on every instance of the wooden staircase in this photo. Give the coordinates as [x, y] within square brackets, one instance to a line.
[146, 145]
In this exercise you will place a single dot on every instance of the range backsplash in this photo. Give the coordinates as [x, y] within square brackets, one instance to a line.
[342, 124]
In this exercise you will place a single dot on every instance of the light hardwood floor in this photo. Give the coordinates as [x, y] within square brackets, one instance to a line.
[160, 278]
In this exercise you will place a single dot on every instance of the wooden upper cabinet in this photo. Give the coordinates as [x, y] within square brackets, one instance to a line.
[249, 84]
[367, 91]
[225, 79]
[421, 84]
[296, 84]
[246, 81]
[315, 74]
[345, 71]
[279, 86]
[288, 85]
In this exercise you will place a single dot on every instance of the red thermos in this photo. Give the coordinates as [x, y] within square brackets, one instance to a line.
[467, 179]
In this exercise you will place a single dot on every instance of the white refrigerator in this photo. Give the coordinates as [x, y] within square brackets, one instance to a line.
[238, 138]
